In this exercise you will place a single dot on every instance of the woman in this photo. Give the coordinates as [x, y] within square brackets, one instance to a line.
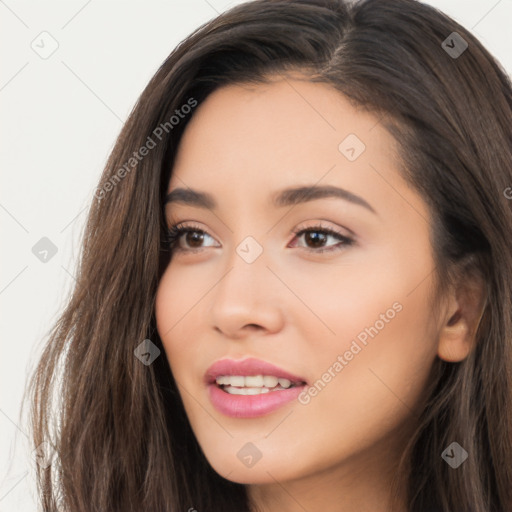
[295, 285]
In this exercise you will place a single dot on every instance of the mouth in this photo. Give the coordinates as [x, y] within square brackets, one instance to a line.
[254, 384]
[250, 388]
[250, 373]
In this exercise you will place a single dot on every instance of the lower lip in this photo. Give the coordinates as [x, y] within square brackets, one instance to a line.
[251, 406]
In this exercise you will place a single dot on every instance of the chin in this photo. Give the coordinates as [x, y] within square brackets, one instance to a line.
[261, 471]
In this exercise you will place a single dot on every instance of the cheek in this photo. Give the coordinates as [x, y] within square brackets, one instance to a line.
[371, 373]
[179, 296]
[387, 344]
[181, 308]
[174, 303]
[357, 297]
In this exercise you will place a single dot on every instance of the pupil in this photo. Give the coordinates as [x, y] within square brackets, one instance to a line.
[316, 237]
[194, 234]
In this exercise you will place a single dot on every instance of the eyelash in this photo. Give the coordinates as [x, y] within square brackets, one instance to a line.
[173, 234]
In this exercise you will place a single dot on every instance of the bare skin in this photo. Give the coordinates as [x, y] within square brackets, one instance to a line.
[300, 309]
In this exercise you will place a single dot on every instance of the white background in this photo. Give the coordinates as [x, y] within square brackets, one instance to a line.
[60, 118]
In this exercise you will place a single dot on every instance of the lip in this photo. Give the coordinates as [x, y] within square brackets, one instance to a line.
[249, 406]
[247, 367]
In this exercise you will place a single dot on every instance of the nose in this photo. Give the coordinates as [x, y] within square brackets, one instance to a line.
[247, 299]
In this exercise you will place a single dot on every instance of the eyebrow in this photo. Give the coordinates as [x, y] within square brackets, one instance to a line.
[286, 197]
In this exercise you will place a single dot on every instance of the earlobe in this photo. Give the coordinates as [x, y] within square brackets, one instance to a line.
[457, 337]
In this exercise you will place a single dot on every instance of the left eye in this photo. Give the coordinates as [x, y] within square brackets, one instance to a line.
[317, 235]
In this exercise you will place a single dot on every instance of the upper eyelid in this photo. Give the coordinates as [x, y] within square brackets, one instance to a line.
[172, 216]
[193, 226]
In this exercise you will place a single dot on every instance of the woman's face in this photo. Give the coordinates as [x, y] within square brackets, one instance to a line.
[353, 321]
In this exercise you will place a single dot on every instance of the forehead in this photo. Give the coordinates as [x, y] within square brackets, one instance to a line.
[288, 129]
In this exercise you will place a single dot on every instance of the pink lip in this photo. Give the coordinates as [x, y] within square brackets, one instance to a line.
[249, 366]
[249, 406]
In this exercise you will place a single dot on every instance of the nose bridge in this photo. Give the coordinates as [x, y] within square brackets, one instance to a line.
[246, 294]
[246, 268]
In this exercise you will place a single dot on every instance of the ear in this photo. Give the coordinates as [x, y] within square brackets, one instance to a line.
[465, 307]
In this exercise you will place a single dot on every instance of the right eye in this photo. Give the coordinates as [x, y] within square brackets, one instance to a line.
[195, 235]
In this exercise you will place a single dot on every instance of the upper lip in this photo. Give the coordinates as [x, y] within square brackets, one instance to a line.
[249, 366]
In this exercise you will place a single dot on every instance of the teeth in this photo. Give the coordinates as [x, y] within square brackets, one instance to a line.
[270, 382]
[252, 382]
[236, 380]
[285, 383]
[250, 391]
[246, 391]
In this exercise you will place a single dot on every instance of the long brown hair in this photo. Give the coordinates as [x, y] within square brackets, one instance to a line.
[119, 431]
